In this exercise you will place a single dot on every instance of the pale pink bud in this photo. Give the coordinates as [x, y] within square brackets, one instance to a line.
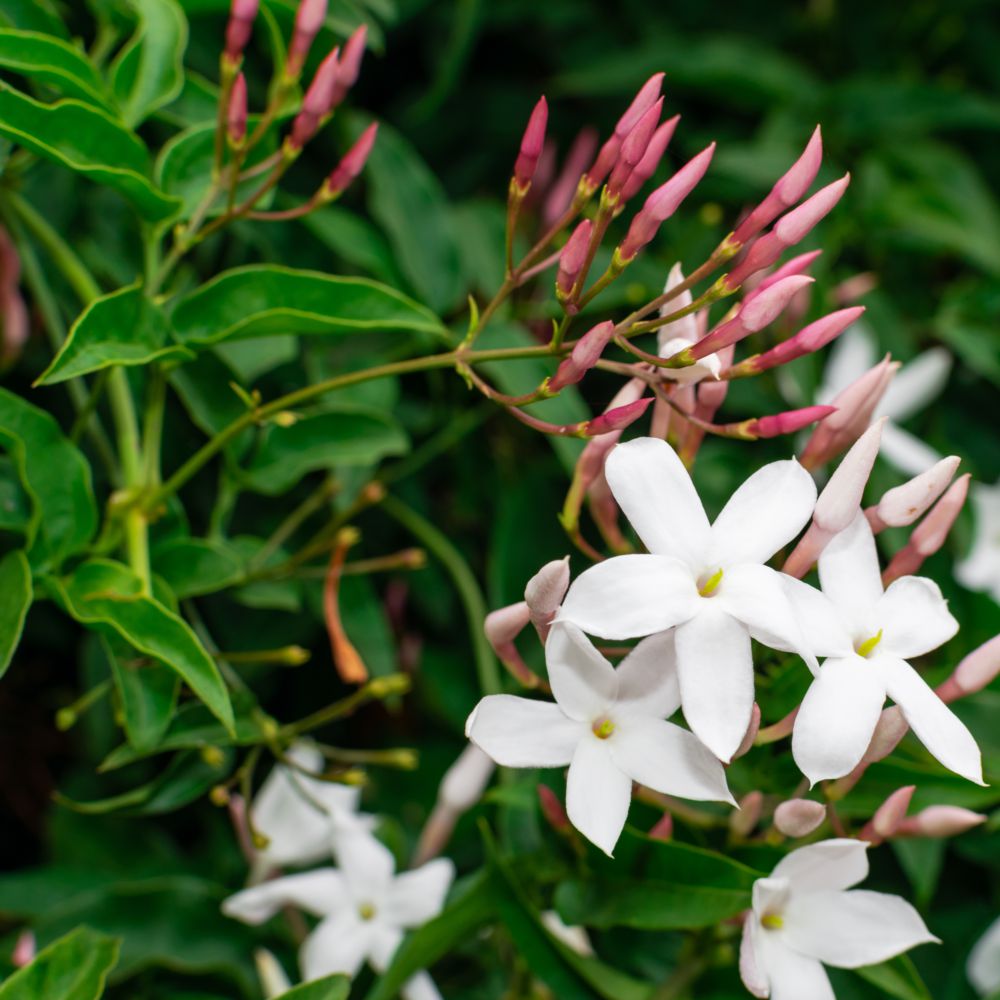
[353, 162]
[553, 810]
[855, 406]
[797, 265]
[663, 828]
[531, 145]
[545, 590]
[840, 499]
[646, 167]
[902, 505]
[889, 815]
[14, 322]
[975, 671]
[318, 101]
[242, 14]
[561, 194]
[634, 148]
[663, 202]
[465, 781]
[236, 113]
[350, 64]
[504, 625]
[786, 192]
[854, 288]
[743, 819]
[889, 730]
[799, 817]
[940, 821]
[573, 257]
[586, 353]
[604, 510]
[751, 733]
[24, 949]
[308, 20]
[788, 422]
[608, 155]
[590, 464]
[617, 419]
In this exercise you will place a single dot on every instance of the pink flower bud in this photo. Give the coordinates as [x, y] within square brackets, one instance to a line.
[799, 817]
[590, 464]
[663, 202]
[553, 810]
[646, 167]
[751, 733]
[797, 265]
[309, 19]
[465, 781]
[840, 499]
[242, 14]
[504, 625]
[352, 163]
[940, 821]
[236, 113]
[634, 148]
[854, 288]
[573, 258]
[586, 353]
[786, 192]
[855, 406]
[976, 670]
[743, 819]
[663, 828]
[350, 64]
[617, 419]
[24, 949]
[14, 322]
[889, 815]
[788, 422]
[560, 196]
[902, 505]
[318, 101]
[545, 590]
[604, 510]
[889, 730]
[531, 145]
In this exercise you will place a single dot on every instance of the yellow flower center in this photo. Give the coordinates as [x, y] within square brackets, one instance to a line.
[772, 921]
[708, 587]
[603, 728]
[868, 646]
[366, 911]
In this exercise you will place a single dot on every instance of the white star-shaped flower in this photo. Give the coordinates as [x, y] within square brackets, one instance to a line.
[804, 917]
[709, 580]
[363, 906]
[608, 725]
[983, 967]
[869, 635]
[980, 569]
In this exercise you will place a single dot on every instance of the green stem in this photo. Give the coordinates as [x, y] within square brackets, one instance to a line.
[293, 522]
[152, 432]
[465, 583]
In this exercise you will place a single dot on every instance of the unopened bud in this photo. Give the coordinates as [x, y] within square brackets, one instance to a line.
[350, 64]
[799, 264]
[236, 113]
[840, 499]
[854, 288]
[634, 148]
[617, 419]
[940, 821]
[686, 327]
[24, 949]
[545, 590]
[662, 203]
[273, 980]
[889, 730]
[352, 163]
[502, 627]
[786, 192]
[586, 353]
[573, 258]
[751, 733]
[213, 756]
[242, 14]
[308, 20]
[560, 195]
[647, 96]
[466, 780]
[902, 505]
[531, 146]
[788, 422]
[745, 818]
[219, 796]
[889, 815]
[663, 828]
[646, 167]
[317, 103]
[553, 810]
[975, 671]
[799, 817]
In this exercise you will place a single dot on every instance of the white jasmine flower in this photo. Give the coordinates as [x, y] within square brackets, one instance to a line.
[363, 906]
[573, 937]
[980, 569]
[297, 813]
[608, 725]
[983, 967]
[869, 635]
[709, 580]
[804, 917]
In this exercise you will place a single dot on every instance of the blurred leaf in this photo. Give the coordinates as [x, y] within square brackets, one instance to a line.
[149, 72]
[87, 141]
[922, 860]
[354, 436]
[408, 202]
[55, 475]
[33, 15]
[123, 328]
[898, 978]
[328, 988]
[355, 240]
[54, 62]
[266, 299]
[15, 505]
[16, 594]
[196, 566]
[73, 968]
[105, 593]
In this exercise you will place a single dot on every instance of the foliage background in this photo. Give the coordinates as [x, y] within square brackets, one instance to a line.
[908, 99]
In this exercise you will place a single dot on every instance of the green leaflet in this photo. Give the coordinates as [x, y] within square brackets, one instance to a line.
[88, 141]
[55, 475]
[54, 62]
[265, 299]
[73, 968]
[123, 328]
[327, 988]
[105, 593]
[15, 598]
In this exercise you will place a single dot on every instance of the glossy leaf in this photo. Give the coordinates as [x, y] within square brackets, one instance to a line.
[88, 141]
[195, 566]
[15, 505]
[355, 240]
[149, 71]
[56, 477]
[123, 328]
[355, 436]
[53, 62]
[108, 594]
[896, 978]
[15, 599]
[265, 299]
[33, 15]
[327, 988]
[73, 968]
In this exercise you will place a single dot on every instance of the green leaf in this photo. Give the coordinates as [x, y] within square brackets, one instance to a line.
[123, 328]
[196, 566]
[148, 691]
[149, 71]
[105, 593]
[408, 202]
[15, 504]
[15, 598]
[355, 240]
[73, 968]
[898, 978]
[265, 299]
[471, 907]
[52, 61]
[88, 141]
[348, 436]
[33, 15]
[56, 477]
[328, 988]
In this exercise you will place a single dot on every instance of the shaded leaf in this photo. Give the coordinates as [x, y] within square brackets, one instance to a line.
[898, 978]
[73, 968]
[328, 988]
[15, 598]
[52, 61]
[195, 566]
